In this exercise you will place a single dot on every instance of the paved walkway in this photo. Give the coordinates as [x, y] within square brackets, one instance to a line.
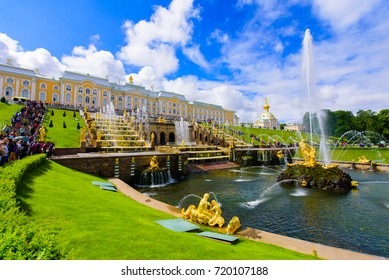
[305, 247]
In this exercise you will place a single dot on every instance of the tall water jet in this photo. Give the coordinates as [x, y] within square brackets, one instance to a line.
[308, 72]
[182, 131]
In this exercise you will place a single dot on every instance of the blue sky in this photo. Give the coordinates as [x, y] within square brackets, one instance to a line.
[232, 52]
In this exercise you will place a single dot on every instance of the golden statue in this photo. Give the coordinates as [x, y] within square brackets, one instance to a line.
[161, 120]
[182, 145]
[280, 154]
[308, 153]
[217, 219]
[363, 159]
[234, 225]
[42, 133]
[130, 79]
[209, 214]
[98, 135]
[124, 114]
[154, 164]
[152, 138]
[82, 135]
[232, 144]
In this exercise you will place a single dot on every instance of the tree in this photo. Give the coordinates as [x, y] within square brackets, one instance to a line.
[383, 123]
[343, 122]
[365, 120]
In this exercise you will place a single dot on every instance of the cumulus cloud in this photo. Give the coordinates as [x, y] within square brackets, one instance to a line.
[95, 62]
[342, 14]
[39, 59]
[153, 43]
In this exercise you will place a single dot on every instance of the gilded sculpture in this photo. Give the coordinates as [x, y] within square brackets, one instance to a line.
[210, 214]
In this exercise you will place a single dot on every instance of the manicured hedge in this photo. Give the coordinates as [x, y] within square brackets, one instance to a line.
[20, 237]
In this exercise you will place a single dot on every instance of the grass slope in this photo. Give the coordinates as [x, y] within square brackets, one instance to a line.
[96, 224]
[7, 111]
[68, 137]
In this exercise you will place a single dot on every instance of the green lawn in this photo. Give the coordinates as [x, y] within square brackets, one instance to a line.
[96, 224]
[68, 137]
[7, 111]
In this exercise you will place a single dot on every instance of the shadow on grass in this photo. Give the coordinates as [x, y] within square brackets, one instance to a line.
[24, 190]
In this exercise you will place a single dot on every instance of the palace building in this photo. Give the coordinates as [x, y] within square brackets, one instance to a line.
[76, 90]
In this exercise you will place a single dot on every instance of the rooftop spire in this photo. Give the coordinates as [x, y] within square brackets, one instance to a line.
[266, 106]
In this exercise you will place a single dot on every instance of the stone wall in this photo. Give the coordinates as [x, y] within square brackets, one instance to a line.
[104, 165]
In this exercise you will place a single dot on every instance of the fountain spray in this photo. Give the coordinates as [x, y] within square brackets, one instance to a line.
[308, 71]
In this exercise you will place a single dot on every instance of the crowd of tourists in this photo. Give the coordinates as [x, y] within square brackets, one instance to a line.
[21, 137]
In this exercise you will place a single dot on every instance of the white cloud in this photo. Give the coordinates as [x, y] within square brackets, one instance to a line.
[194, 54]
[153, 43]
[148, 78]
[99, 63]
[218, 36]
[342, 14]
[39, 59]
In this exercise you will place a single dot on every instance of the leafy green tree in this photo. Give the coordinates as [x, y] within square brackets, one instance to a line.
[365, 120]
[383, 123]
[343, 122]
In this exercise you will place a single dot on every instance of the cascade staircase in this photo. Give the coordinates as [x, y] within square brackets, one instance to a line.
[118, 134]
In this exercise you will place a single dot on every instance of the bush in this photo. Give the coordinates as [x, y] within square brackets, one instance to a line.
[74, 114]
[20, 237]
[64, 124]
[64, 113]
[52, 112]
[51, 123]
[78, 126]
[3, 100]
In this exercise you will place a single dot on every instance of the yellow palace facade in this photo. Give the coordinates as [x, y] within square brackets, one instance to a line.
[76, 90]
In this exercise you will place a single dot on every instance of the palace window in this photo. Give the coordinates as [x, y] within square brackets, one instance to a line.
[105, 102]
[43, 85]
[79, 99]
[26, 83]
[10, 80]
[105, 93]
[9, 91]
[87, 91]
[42, 96]
[112, 97]
[120, 98]
[95, 92]
[87, 99]
[80, 90]
[68, 97]
[55, 98]
[68, 87]
[94, 100]
[25, 93]
[56, 87]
